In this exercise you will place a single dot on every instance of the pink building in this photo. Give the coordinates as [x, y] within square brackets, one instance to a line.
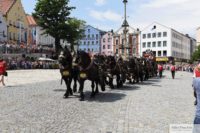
[107, 43]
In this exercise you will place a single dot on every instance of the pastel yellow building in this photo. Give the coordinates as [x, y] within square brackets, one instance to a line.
[15, 17]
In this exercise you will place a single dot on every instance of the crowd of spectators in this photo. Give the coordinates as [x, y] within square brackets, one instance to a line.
[30, 63]
[182, 67]
[11, 48]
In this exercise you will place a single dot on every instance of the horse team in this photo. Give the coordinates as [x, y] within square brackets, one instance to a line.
[101, 70]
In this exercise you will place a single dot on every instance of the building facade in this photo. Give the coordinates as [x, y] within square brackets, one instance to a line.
[198, 36]
[107, 44]
[166, 43]
[16, 20]
[32, 30]
[3, 29]
[132, 46]
[91, 42]
[42, 39]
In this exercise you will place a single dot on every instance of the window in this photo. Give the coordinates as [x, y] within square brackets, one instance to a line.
[154, 35]
[159, 53]
[84, 43]
[88, 50]
[144, 36]
[164, 43]
[159, 44]
[97, 36]
[13, 36]
[92, 36]
[108, 46]
[88, 30]
[165, 53]
[122, 41]
[109, 39]
[164, 34]
[104, 40]
[149, 44]
[149, 35]
[88, 43]
[117, 51]
[144, 45]
[92, 42]
[88, 36]
[154, 44]
[104, 47]
[97, 42]
[159, 34]
[92, 49]
[117, 41]
[154, 53]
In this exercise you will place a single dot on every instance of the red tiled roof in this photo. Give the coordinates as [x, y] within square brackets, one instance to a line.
[31, 20]
[5, 5]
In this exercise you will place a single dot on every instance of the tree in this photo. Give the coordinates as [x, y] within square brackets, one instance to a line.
[76, 31]
[54, 17]
[196, 54]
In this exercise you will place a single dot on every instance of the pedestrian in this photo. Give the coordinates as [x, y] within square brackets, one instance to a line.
[2, 70]
[173, 70]
[160, 70]
[196, 86]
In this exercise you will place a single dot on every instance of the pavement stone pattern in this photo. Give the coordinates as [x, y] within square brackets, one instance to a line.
[29, 106]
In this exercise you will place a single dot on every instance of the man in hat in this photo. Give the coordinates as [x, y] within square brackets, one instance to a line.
[2, 70]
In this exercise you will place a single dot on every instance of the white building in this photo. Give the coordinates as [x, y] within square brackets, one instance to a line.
[43, 39]
[47, 40]
[166, 43]
[3, 29]
[198, 36]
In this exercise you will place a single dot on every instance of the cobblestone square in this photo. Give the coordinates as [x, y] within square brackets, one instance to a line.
[33, 102]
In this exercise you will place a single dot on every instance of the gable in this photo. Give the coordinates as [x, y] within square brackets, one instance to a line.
[155, 26]
[6, 5]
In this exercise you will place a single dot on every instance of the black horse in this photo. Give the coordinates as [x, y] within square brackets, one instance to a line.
[133, 66]
[113, 69]
[88, 70]
[68, 72]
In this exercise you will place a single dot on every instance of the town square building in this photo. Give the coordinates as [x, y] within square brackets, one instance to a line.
[166, 43]
[131, 48]
[3, 29]
[107, 43]
[198, 36]
[15, 17]
[91, 42]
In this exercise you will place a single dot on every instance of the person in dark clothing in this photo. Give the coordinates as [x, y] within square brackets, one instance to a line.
[173, 70]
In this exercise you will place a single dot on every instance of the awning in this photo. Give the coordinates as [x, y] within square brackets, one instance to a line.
[45, 59]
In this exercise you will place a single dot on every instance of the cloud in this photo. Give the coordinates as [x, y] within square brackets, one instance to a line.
[105, 16]
[181, 15]
[100, 2]
[163, 3]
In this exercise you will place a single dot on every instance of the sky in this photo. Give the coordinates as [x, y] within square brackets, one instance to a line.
[181, 15]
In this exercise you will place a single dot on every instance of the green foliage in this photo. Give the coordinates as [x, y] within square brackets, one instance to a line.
[76, 31]
[196, 54]
[54, 17]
